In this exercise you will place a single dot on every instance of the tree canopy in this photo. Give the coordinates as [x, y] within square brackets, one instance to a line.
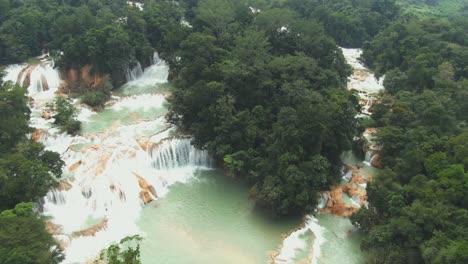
[27, 171]
[265, 93]
[419, 202]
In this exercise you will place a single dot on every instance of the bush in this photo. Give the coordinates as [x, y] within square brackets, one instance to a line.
[65, 115]
[96, 98]
[72, 127]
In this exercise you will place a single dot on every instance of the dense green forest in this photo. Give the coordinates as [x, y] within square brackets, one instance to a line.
[438, 8]
[418, 204]
[266, 94]
[264, 91]
[27, 171]
[349, 22]
[108, 34]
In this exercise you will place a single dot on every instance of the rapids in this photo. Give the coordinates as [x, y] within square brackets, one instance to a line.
[109, 175]
[127, 155]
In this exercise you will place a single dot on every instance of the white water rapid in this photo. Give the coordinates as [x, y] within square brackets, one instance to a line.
[41, 80]
[126, 155]
[295, 243]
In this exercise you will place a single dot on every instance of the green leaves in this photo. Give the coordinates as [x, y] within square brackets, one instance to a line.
[421, 196]
[126, 252]
[65, 115]
[24, 239]
[267, 99]
[14, 116]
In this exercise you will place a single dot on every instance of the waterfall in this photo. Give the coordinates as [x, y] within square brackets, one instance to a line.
[39, 78]
[56, 197]
[44, 78]
[157, 73]
[12, 72]
[155, 59]
[295, 243]
[368, 156]
[347, 176]
[171, 154]
[133, 74]
[323, 200]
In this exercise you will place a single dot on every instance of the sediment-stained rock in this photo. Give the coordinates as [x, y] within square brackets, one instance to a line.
[74, 166]
[64, 186]
[36, 135]
[147, 190]
[53, 229]
[91, 231]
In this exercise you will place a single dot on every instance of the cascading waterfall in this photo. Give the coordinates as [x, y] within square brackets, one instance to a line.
[137, 71]
[12, 72]
[323, 200]
[111, 174]
[155, 59]
[41, 78]
[347, 176]
[295, 243]
[56, 197]
[133, 74]
[157, 73]
[171, 154]
[368, 157]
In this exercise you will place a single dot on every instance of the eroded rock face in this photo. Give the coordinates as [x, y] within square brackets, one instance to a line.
[147, 190]
[376, 161]
[64, 186]
[26, 75]
[335, 204]
[36, 135]
[74, 166]
[53, 229]
[46, 115]
[91, 231]
[74, 79]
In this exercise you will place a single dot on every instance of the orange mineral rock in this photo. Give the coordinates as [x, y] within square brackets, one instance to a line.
[36, 135]
[147, 190]
[64, 186]
[91, 231]
[75, 166]
[53, 229]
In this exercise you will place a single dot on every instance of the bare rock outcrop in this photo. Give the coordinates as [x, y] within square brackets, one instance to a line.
[37, 134]
[91, 231]
[335, 204]
[74, 79]
[147, 190]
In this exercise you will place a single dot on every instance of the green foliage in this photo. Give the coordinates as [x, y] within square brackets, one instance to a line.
[27, 174]
[266, 95]
[418, 204]
[126, 252]
[110, 35]
[96, 98]
[433, 8]
[65, 115]
[14, 116]
[349, 22]
[24, 239]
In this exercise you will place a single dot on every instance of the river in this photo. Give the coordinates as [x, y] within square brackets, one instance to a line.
[127, 154]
